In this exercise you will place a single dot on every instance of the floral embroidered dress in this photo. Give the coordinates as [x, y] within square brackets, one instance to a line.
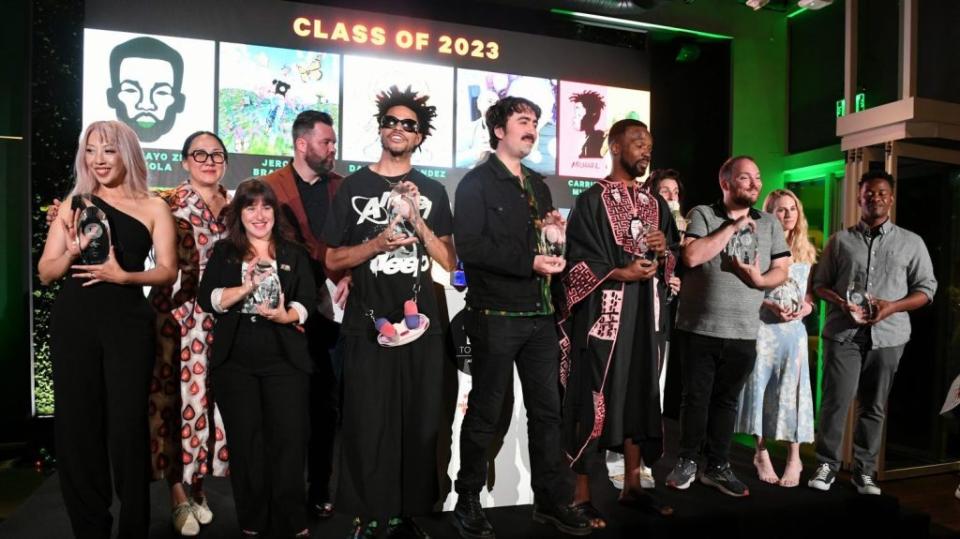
[777, 401]
[182, 414]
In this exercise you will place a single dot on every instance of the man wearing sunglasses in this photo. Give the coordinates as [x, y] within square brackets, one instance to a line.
[387, 223]
[501, 207]
[305, 188]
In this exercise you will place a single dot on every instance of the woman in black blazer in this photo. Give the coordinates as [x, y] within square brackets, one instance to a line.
[259, 285]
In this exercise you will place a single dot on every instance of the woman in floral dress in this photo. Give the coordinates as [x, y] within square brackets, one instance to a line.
[187, 438]
[777, 403]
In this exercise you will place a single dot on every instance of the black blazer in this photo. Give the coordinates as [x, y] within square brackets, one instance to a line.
[296, 281]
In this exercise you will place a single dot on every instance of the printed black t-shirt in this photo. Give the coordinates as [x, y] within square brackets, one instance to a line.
[383, 283]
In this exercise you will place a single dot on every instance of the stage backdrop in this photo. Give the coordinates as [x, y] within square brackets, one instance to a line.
[246, 68]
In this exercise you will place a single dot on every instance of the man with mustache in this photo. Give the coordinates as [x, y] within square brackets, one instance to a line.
[617, 239]
[891, 268]
[501, 208]
[717, 319]
[305, 189]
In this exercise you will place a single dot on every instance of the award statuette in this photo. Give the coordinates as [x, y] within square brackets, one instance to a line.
[268, 289]
[93, 231]
[553, 240]
[788, 296]
[638, 231]
[744, 245]
[857, 296]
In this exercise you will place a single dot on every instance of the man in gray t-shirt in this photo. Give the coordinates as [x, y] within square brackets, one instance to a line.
[718, 319]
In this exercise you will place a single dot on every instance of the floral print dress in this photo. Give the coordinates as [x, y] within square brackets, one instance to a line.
[777, 401]
[187, 440]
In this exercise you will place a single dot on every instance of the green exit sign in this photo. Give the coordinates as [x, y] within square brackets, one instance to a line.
[859, 104]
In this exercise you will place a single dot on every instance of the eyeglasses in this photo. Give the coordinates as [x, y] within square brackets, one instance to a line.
[201, 156]
[390, 122]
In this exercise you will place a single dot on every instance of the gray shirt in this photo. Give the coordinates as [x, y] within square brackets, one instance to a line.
[893, 263]
[714, 301]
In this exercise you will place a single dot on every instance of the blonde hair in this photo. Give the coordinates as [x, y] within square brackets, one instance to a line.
[135, 167]
[800, 247]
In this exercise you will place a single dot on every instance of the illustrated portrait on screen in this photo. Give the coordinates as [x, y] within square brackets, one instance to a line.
[365, 77]
[587, 106]
[161, 86]
[587, 111]
[263, 89]
[477, 90]
[146, 76]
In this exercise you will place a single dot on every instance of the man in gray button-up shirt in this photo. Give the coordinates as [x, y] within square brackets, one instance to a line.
[862, 349]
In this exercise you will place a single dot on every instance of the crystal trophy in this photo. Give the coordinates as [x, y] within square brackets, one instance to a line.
[857, 296]
[93, 232]
[788, 297]
[553, 238]
[268, 289]
[400, 204]
[744, 245]
[638, 232]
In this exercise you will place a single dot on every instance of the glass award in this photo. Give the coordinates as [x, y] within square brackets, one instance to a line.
[553, 239]
[93, 232]
[268, 289]
[787, 296]
[857, 296]
[401, 205]
[744, 245]
[638, 232]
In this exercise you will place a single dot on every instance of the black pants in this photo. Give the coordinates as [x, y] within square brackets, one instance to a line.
[264, 402]
[101, 375]
[714, 372]
[497, 342]
[324, 405]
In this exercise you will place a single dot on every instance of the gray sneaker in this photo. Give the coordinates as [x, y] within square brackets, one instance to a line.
[823, 478]
[723, 479]
[682, 474]
[865, 484]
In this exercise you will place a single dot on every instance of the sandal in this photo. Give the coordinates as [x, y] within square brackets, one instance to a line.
[644, 502]
[588, 511]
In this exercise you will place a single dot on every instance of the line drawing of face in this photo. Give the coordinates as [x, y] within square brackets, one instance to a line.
[146, 75]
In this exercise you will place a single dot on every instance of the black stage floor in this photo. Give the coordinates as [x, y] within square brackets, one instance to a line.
[769, 511]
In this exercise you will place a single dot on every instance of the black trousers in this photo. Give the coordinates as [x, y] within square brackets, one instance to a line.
[322, 336]
[101, 376]
[497, 343]
[714, 372]
[264, 401]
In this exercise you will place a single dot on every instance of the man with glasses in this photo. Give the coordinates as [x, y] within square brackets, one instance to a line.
[305, 188]
[501, 207]
[387, 223]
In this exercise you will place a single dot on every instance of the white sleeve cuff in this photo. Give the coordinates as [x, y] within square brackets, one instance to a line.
[215, 298]
[301, 311]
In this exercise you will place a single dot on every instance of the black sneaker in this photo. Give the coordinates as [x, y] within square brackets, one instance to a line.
[562, 517]
[865, 484]
[722, 479]
[405, 527]
[823, 478]
[469, 519]
[682, 474]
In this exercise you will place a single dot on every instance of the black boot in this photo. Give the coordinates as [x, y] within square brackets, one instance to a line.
[562, 517]
[469, 519]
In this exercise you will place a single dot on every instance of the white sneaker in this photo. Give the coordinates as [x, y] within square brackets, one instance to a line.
[865, 484]
[201, 511]
[615, 469]
[646, 478]
[183, 520]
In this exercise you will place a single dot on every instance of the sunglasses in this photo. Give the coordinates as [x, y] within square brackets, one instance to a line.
[390, 122]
